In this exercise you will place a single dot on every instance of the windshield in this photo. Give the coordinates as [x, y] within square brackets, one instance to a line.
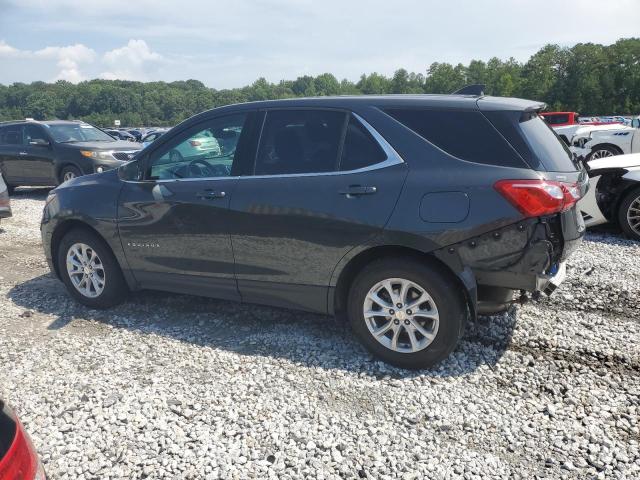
[77, 132]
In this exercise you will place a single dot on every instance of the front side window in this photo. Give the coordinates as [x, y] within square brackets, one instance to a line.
[77, 132]
[203, 151]
[11, 135]
[34, 133]
[300, 141]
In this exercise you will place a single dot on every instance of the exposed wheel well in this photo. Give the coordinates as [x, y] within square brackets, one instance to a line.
[357, 263]
[62, 230]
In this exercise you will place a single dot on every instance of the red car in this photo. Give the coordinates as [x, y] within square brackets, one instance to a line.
[560, 119]
[18, 458]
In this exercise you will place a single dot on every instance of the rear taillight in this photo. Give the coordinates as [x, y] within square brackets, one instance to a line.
[534, 198]
[21, 461]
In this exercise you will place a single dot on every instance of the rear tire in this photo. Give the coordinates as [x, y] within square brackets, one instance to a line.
[69, 172]
[90, 271]
[417, 335]
[629, 214]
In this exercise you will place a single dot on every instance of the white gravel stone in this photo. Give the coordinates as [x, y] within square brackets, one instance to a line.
[171, 386]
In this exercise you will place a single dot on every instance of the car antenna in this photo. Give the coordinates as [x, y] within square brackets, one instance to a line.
[476, 89]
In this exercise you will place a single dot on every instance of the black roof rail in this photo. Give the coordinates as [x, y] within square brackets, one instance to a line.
[476, 89]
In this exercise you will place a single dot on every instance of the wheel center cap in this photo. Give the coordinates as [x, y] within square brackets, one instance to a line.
[87, 270]
[400, 315]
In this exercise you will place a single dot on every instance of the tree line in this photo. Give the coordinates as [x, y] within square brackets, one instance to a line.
[588, 78]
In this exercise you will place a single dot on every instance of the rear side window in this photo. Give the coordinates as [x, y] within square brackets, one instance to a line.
[300, 141]
[534, 140]
[11, 135]
[467, 135]
[360, 148]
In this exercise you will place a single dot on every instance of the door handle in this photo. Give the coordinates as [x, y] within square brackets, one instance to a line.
[211, 195]
[357, 190]
[22, 153]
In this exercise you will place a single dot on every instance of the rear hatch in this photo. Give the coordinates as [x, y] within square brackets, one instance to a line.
[542, 149]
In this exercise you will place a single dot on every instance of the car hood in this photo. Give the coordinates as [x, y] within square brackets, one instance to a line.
[115, 145]
[617, 161]
[110, 176]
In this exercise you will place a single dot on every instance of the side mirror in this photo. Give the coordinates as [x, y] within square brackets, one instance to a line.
[39, 142]
[131, 171]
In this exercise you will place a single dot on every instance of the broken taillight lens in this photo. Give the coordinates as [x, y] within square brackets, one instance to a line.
[535, 198]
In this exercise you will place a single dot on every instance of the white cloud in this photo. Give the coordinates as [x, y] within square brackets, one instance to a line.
[131, 62]
[7, 50]
[68, 60]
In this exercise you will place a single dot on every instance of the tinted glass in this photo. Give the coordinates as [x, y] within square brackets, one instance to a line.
[300, 141]
[467, 135]
[34, 132]
[204, 151]
[545, 144]
[360, 148]
[77, 132]
[11, 135]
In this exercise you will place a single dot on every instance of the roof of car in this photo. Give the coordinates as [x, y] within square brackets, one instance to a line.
[43, 122]
[462, 102]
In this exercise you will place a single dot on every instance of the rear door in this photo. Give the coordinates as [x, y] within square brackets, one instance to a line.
[38, 160]
[322, 184]
[11, 153]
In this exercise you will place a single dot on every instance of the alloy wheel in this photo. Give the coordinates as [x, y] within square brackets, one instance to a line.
[633, 215]
[68, 176]
[401, 315]
[601, 154]
[85, 270]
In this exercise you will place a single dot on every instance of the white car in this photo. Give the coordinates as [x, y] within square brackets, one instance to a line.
[602, 141]
[614, 193]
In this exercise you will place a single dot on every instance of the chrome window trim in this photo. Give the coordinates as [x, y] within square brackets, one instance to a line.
[393, 158]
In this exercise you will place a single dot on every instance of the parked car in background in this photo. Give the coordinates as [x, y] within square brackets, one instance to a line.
[559, 119]
[5, 206]
[363, 205]
[49, 153]
[152, 136]
[137, 134]
[614, 193]
[566, 124]
[607, 141]
[18, 457]
[121, 135]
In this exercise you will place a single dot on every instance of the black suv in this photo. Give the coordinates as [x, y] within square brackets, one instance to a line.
[411, 214]
[49, 153]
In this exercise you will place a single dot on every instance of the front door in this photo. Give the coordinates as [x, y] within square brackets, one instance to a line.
[174, 224]
[313, 197]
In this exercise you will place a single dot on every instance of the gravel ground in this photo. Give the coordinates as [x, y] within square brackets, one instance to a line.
[170, 386]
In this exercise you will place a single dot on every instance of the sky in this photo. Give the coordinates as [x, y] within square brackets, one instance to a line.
[232, 43]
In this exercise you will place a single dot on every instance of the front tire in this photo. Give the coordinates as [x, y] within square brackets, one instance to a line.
[90, 271]
[603, 151]
[69, 172]
[629, 214]
[407, 313]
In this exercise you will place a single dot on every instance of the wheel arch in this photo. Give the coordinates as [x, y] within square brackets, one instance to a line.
[607, 145]
[339, 294]
[65, 227]
[61, 166]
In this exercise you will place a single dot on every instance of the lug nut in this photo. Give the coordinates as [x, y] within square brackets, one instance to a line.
[396, 322]
[409, 312]
[391, 311]
[399, 305]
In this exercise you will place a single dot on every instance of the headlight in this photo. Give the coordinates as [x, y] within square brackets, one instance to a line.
[98, 155]
[50, 198]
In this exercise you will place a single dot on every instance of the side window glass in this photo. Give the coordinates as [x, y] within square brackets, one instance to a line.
[299, 141]
[11, 135]
[201, 152]
[360, 148]
[32, 132]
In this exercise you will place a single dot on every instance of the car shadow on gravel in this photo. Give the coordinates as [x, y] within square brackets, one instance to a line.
[307, 339]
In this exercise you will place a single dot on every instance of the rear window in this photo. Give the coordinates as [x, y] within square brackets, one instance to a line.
[534, 140]
[467, 135]
[360, 149]
[11, 135]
